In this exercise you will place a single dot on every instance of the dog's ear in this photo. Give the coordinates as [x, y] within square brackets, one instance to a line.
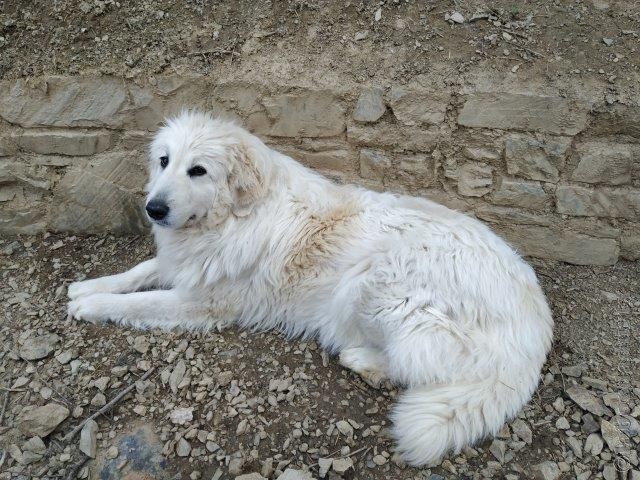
[245, 180]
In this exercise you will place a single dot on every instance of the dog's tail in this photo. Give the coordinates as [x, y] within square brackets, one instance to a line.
[435, 419]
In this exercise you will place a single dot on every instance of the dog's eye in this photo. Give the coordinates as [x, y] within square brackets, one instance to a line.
[164, 161]
[196, 171]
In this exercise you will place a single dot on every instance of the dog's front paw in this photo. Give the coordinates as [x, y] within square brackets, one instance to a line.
[91, 308]
[86, 288]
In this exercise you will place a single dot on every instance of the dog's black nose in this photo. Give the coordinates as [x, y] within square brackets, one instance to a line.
[157, 209]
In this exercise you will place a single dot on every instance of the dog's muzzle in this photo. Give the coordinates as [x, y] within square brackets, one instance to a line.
[157, 209]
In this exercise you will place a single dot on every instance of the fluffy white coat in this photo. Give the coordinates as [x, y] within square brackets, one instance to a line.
[400, 287]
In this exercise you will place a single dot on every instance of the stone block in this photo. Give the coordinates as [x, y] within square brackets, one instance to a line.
[242, 103]
[475, 179]
[414, 170]
[561, 244]
[340, 160]
[307, 114]
[510, 216]
[512, 192]
[602, 202]
[482, 154]
[370, 106]
[385, 135]
[536, 158]
[510, 111]
[630, 242]
[23, 174]
[374, 165]
[484, 146]
[605, 163]
[24, 221]
[8, 145]
[104, 195]
[70, 142]
[64, 102]
[412, 107]
[617, 120]
[591, 226]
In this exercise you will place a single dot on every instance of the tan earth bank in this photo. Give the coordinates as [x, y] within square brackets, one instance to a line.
[524, 114]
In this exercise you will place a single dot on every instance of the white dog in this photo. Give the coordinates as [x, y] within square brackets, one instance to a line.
[402, 288]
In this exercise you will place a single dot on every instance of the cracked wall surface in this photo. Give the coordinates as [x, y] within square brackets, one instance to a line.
[557, 174]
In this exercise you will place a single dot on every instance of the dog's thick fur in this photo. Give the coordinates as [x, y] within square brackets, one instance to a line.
[400, 287]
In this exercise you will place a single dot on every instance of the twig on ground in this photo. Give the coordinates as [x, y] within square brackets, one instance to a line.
[528, 50]
[217, 51]
[365, 453]
[108, 406]
[4, 406]
[75, 469]
[350, 454]
[355, 452]
[14, 390]
[516, 34]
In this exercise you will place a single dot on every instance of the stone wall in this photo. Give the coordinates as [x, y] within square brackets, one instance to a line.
[555, 174]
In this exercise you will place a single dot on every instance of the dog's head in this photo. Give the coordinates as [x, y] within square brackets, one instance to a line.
[203, 170]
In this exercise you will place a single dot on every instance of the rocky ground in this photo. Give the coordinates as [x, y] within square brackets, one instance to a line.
[243, 405]
[583, 41]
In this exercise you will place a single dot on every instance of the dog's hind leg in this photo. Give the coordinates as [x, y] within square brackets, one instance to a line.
[143, 275]
[165, 309]
[368, 362]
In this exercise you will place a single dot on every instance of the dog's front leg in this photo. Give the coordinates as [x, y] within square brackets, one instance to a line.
[368, 362]
[143, 275]
[166, 309]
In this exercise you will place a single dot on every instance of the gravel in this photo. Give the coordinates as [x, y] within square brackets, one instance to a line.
[254, 405]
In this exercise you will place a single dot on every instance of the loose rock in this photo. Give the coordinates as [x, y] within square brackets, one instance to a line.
[177, 375]
[141, 344]
[627, 424]
[88, 438]
[613, 437]
[112, 452]
[181, 416]
[324, 465]
[586, 400]
[345, 428]
[99, 400]
[341, 465]
[562, 423]
[522, 430]
[498, 448]
[35, 445]
[593, 444]
[235, 465]
[546, 471]
[183, 448]
[456, 17]
[36, 348]
[379, 460]
[42, 421]
[291, 474]
[251, 476]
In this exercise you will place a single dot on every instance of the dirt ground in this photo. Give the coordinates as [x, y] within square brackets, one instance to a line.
[260, 403]
[559, 42]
